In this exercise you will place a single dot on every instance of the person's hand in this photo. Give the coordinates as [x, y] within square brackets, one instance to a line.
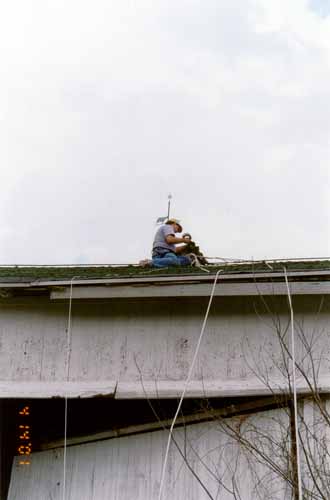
[186, 237]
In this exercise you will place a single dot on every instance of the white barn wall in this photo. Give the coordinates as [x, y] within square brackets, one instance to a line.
[130, 468]
[124, 341]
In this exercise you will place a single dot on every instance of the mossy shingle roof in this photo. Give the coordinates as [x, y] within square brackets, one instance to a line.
[57, 273]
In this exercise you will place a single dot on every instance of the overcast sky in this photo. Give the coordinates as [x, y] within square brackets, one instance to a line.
[107, 106]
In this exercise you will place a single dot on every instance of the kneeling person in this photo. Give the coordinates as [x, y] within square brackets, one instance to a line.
[165, 253]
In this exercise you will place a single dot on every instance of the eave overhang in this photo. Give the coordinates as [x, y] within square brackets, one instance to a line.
[314, 282]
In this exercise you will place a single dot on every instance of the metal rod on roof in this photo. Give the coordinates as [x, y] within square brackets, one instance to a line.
[169, 205]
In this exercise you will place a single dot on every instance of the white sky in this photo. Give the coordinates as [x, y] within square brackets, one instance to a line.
[108, 106]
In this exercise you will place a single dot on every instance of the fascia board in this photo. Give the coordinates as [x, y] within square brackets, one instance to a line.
[149, 291]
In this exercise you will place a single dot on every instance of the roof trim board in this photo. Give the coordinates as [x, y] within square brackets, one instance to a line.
[163, 279]
[190, 290]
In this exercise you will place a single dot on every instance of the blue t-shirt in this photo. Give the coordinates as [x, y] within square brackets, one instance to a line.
[160, 241]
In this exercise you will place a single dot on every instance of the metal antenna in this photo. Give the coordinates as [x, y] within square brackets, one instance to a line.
[169, 205]
[161, 220]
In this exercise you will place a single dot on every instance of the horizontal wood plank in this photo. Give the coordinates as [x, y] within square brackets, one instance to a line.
[191, 290]
[39, 390]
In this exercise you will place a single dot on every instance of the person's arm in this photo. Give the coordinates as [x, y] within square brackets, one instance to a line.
[170, 239]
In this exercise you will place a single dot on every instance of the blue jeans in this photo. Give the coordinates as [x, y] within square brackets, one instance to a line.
[170, 259]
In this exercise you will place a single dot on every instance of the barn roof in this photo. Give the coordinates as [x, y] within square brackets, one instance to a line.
[39, 273]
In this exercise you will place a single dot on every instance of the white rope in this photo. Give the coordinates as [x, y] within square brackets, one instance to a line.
[68, 359]
[295, 404]
[186, 386]
[65, 441]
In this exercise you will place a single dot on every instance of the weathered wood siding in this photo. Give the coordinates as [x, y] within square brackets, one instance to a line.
[314, 424]
[130, 468]
[126, 341]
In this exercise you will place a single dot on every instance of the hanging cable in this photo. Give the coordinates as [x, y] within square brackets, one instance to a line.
[186, 386]
[295, 404]
[68, 360]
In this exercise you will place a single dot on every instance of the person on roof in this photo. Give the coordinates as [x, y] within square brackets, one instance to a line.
[165, 252]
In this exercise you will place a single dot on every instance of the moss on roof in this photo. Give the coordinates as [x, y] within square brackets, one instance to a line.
[33, 273]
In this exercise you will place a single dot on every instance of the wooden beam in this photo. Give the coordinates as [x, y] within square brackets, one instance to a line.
[202, 416]
[167, 389]
[222, 289]
[40, 390]
[162, 389]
